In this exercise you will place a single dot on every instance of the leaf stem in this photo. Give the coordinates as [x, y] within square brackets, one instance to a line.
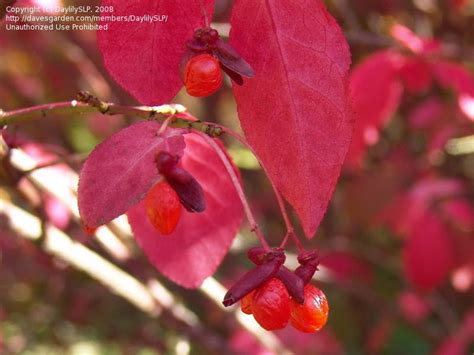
[204, 12]
[238, 187]
[290, 230]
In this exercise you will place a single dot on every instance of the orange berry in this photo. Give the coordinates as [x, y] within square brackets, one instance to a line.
[163, 208]
[246, 303]
[312, 315]
[271, 305]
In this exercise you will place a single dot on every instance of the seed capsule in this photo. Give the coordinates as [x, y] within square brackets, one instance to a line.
[202, 75]
[271, 305]
[163, 208]
[246, 303]
[254, 278]
[312, 315]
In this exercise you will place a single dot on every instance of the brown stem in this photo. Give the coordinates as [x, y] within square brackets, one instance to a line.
[88, 103]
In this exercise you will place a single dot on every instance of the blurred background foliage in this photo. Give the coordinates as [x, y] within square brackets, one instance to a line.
[47, 307]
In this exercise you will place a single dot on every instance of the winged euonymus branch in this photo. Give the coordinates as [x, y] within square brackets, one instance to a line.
[86, 103]
[178, 186]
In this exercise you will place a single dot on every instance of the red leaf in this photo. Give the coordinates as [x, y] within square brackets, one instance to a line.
[294, 112]
[144, 57]
[461, 80]
[376, 92]
[416, 75]
[201, 240]
[345, 266]
[429, 253]
[460, 213]
[458, 4]
[119, 171]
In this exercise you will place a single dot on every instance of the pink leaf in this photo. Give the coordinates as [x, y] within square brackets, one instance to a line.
[376, 91]
[427, 113]
[459, 79]
[294, 112]
[144, 57]
[201, 240]
[119, 171]
[429, 253]
[413, 306]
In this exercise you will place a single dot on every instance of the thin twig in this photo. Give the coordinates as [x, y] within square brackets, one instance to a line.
[290, 230]
[88, 103]
[238, 187]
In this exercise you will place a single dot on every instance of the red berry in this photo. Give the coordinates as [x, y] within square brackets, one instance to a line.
[246, 303]
[202, 75]
[312, 315]
[271, 305]
[163, 208]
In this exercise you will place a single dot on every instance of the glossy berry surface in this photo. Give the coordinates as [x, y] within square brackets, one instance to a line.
[202, 75]
[312, 315]
[163, 208]
[246, 303]
[271, 305]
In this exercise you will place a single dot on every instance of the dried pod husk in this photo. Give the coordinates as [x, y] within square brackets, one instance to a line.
[254, 278]
[257, 255]
[188, 189]
[292, 282]
[232, 60]
[206, 35]
[309, 262]
[235, 77]
[183, 183]
[165, 162]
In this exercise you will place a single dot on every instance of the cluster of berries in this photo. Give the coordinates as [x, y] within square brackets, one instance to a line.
[275, 296]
